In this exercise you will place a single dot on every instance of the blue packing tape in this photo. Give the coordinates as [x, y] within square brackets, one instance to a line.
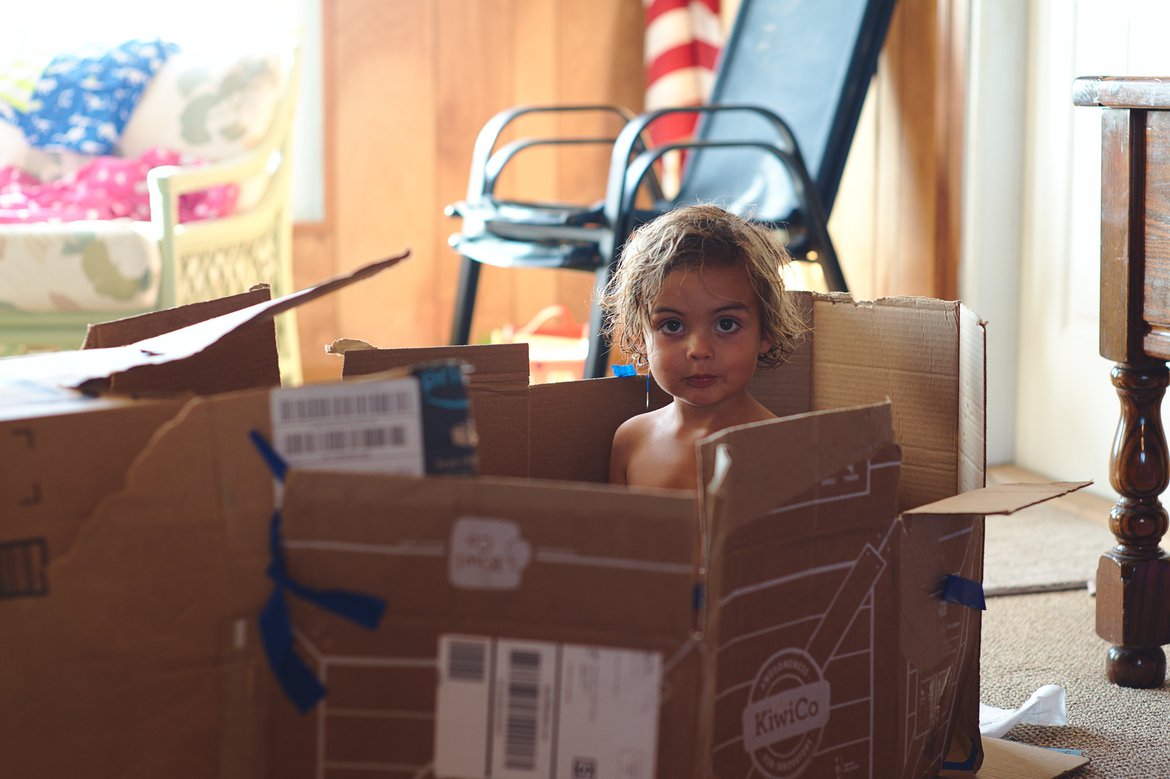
[294, 676]
[967, 764]
[697, 596]
[277, 464]
[965, 592]
[625, 370]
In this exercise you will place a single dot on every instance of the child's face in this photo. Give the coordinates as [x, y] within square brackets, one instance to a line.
[705, 334]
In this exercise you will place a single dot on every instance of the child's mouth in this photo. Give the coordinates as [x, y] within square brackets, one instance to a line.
[705, 380]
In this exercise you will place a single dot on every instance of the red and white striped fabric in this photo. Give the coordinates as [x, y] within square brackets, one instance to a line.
[683, 38]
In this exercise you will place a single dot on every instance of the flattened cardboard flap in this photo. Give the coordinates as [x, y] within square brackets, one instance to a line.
[91, 370]
[999, 498]
[244, 359]
[1013, 760]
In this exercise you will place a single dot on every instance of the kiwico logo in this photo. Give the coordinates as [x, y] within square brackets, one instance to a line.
[786, 714]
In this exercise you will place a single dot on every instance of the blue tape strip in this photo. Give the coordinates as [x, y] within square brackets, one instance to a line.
[276, 463]
[625, 370]
[294, 676]
[697, 596]
[969, 763]
[965, 592]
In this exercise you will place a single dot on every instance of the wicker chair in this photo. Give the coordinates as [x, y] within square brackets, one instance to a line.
[196, 260]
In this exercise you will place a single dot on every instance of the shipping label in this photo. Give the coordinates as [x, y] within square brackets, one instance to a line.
[510, 709]
[357, 426]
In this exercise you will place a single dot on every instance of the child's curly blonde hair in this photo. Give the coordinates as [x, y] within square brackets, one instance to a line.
[691, 237]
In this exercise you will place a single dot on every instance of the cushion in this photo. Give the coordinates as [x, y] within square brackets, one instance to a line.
[211, 106]
[109, 266]
[104, 188]
[83, 101]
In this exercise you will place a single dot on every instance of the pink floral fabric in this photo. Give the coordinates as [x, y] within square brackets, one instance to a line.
[106, 188]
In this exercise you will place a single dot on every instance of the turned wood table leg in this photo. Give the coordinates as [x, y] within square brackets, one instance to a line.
[1133, 585]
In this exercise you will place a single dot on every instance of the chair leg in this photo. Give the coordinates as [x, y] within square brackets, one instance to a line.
[598, 359]
[465, 302]
[831, 268]
[819, 239]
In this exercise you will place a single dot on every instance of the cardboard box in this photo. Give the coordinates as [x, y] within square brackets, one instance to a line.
[72, 422]
[63, 450]
[141, 658]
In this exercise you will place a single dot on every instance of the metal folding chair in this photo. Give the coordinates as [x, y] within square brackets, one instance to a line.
[771, 146]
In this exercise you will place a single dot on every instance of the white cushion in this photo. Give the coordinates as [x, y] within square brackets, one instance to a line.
[110, 266]
[212, 106]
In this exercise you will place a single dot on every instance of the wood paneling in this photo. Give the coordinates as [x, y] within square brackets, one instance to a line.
[409, 84]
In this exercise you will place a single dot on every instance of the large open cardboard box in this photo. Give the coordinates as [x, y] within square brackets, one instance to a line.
[814, 583]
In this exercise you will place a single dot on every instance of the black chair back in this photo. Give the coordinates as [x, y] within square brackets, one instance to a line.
[810, 62]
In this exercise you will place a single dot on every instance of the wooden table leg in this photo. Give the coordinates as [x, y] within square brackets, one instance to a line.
[1133, 578]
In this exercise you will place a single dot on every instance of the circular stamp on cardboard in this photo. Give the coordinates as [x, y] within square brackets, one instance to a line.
[787, 710]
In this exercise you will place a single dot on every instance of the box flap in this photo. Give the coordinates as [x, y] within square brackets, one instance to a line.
[244, 359]
[91, 370]
[572, 423]
[787, 388]
[907, 350]
[800, 515]
[763, 468]
[498, 386]
[999, 498]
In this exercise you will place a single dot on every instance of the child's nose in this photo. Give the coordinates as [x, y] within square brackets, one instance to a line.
[699, 346]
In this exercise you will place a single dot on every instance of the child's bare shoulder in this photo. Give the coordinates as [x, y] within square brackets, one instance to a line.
[637, 426]
[628, 439]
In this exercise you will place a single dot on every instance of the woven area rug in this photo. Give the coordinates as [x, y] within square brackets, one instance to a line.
[1049, 638]
[1050, 547]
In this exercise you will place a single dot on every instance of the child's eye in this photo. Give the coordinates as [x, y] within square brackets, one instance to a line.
[670, 326]
[727, 325]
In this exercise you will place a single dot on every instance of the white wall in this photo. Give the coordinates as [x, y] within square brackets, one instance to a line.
[990, 257]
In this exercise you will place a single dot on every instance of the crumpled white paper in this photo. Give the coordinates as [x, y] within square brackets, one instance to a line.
[1043, 707]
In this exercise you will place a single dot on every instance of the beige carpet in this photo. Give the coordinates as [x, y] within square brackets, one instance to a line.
[1030, 640]
[1053, 546]
[1048, 638]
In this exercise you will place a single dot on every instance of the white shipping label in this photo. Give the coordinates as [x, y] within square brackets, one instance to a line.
[512, 709]
[355, 426]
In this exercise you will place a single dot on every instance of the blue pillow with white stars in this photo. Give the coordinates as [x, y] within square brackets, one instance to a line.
[82, 101]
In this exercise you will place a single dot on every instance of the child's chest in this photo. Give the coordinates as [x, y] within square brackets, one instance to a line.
[664, 461]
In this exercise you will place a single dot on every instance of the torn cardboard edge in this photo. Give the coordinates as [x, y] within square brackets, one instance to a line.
[1001, 499]
[91, 370]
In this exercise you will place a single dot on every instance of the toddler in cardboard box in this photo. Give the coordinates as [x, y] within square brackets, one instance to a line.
[698, 302]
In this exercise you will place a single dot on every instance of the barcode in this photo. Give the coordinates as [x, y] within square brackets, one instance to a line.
[523, 697]
[466, 662]
[22, 568]
[302, 409]
[334, 441]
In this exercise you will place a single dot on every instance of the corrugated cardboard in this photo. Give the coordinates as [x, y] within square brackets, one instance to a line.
[1013, 760]
[63, 449]
[142, 653]
[61, 456]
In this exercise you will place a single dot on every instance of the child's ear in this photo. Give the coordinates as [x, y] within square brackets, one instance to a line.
[766, 346]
